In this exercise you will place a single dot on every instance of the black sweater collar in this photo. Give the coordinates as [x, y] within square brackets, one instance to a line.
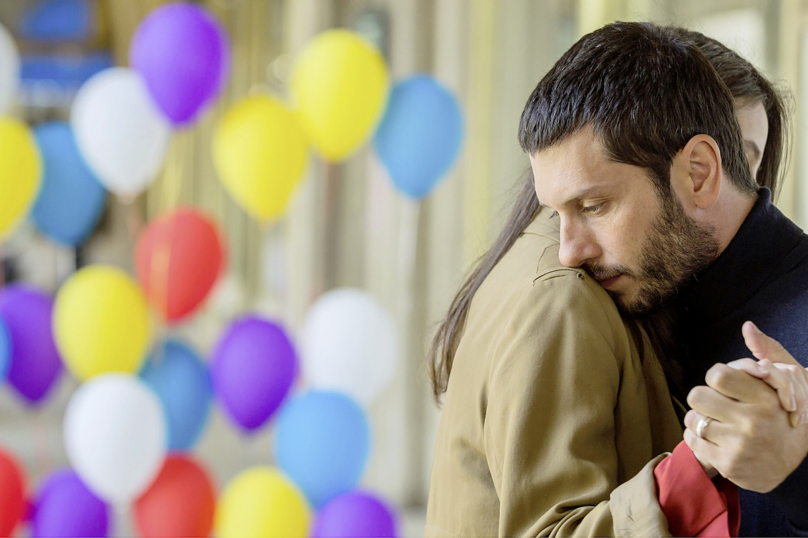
[764, 239]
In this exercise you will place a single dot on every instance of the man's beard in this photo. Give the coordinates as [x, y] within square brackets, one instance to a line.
[676, 249]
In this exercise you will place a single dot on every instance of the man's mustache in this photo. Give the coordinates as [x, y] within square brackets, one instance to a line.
[602, 272]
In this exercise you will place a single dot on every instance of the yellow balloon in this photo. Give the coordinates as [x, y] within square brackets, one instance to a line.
[341, 84]
[260, 501]
[20, 173]
[101, 322]
[259, 151]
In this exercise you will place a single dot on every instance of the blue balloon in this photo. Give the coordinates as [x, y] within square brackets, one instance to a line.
[419, 137]
[322, 440]
[181, 380]
[5, 351]
[71, 199]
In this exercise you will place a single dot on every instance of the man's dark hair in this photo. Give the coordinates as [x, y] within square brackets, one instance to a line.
[646, 91]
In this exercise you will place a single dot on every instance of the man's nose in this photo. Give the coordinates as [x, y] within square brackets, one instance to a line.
[577, 245]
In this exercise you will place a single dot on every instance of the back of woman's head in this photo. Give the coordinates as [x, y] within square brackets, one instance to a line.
[750, 87]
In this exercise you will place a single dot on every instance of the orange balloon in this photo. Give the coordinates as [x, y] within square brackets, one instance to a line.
[181, 502]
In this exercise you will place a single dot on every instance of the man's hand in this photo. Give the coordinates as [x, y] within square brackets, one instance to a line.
[750, 439]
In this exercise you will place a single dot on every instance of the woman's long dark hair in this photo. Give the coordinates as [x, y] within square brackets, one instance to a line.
[748, 87]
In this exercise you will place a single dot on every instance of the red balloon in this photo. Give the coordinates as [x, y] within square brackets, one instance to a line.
[181, 502]
[178, 258]
[12, 490]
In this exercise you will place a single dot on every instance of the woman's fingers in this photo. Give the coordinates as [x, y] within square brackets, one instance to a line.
[790, 382]
[799, 382]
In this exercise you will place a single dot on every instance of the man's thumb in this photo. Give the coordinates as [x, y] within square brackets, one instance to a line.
[765, 347]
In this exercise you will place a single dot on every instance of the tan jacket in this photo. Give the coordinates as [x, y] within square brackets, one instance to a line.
[551, 425]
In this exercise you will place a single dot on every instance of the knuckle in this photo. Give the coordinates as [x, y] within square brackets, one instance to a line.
[759, 418]
[697, 396]
[718, 376]
[774, 345]
[771, 404]
[750, 428]
[769, 396]
[741, 363]
[688, 436]
[756, 430]
[793, 374]
[691, 440]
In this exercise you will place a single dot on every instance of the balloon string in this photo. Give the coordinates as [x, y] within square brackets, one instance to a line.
[244, 448]
[331, 192]
[172, 178]
[276, 256]
[406, 271]
[134, 221]
[407, 262]
[158, 273]
[41, 430]
[161, 255]
[39, 452]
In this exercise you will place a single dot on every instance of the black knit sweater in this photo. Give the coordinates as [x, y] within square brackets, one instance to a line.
[762, 276]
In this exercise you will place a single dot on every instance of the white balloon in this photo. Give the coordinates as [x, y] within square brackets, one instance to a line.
[349, 344]
[119, 130]
[9, 69]
[116, 436]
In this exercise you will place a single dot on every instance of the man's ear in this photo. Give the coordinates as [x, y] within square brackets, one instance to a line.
[696, 173]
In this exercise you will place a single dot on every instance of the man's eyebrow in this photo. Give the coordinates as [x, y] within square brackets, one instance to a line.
[578, 196]
[753, 148]
[598, 189]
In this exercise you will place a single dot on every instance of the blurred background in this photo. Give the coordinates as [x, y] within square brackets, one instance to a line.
[346, 224]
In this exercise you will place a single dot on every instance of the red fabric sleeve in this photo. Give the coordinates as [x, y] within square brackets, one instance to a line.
[693, 504]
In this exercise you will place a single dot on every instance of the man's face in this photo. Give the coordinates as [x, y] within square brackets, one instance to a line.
[616, 225]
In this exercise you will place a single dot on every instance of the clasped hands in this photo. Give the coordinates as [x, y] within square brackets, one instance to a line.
[756, 428]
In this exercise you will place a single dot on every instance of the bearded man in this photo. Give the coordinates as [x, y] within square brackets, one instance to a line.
[656, 202]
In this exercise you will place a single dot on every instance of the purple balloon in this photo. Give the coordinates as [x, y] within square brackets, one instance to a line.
[35, 362]
[355, 514]
[65, 507]
[253, 368]
[183, 54]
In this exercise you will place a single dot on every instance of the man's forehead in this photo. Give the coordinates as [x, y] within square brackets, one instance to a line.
[560, 170]
[563, 177]
[571, 155]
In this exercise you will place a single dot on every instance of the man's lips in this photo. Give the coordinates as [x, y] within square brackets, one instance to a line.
[609, 281]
